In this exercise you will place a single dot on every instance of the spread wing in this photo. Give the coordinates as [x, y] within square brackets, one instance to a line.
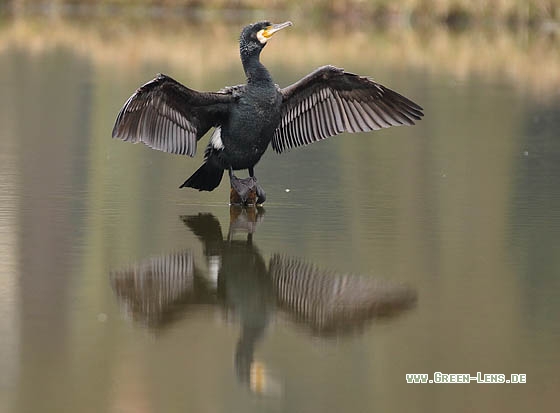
[330, 101]
[167, 116]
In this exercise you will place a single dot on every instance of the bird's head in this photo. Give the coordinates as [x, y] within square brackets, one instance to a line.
[254, 36]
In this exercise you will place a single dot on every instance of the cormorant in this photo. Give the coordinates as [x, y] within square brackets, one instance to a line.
[170, 117]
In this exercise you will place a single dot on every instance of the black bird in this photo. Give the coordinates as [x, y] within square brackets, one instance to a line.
[168, 116]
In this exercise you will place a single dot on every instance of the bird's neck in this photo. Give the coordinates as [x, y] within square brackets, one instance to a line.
[254, 69]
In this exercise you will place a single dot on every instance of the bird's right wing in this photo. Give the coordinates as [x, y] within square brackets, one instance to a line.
[329, 101]
[170, 117]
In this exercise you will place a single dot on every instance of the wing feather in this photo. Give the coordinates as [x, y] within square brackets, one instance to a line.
[167, 116]
[330, 101]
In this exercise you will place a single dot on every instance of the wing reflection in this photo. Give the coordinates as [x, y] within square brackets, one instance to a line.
[157, 290]
[162, 289]
[330, 303]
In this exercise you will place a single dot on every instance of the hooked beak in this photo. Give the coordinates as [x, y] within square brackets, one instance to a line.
[270, 30]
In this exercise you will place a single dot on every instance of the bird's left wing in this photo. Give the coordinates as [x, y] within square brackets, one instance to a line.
[170, 117]
[330, 101]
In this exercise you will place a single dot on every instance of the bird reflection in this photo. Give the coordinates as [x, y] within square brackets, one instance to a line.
[162, 289]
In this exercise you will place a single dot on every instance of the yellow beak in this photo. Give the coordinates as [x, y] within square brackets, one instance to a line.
[270, 30]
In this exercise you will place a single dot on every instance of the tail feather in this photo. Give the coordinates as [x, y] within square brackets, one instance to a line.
[206, 178]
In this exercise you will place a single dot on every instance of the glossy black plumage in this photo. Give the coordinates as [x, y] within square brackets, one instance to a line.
[330, 101]
[168, 116]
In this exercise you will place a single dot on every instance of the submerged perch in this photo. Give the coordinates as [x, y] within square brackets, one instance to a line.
[244, 192]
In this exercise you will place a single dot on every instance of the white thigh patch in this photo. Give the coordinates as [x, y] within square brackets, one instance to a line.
[216, 139]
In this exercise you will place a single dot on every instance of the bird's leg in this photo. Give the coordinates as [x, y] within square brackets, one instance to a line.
[261, 195]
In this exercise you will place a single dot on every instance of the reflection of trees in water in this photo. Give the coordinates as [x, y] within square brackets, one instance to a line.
[49, 149]
[534, 216]
[160, 290]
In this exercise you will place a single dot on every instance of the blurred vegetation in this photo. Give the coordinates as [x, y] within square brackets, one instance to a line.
[125, 44]
[453, 12]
